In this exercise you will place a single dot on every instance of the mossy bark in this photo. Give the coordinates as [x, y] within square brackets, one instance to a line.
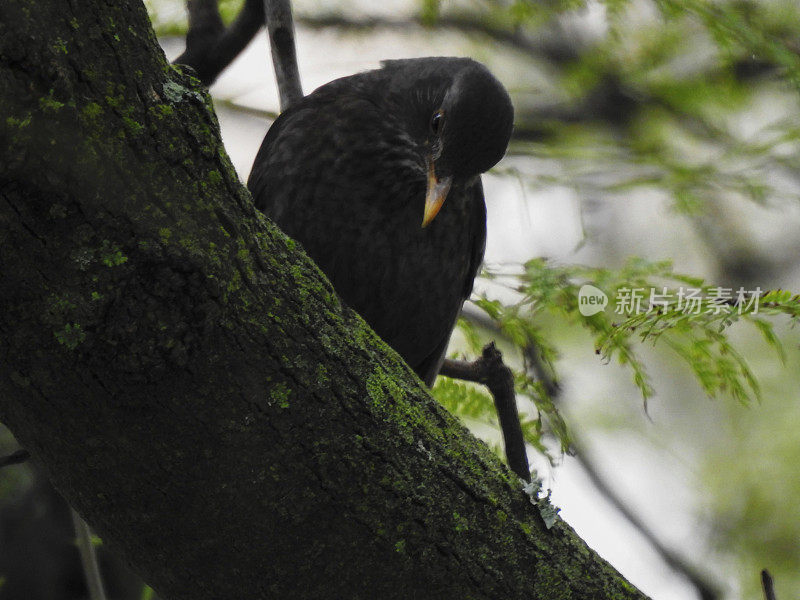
[189, 379]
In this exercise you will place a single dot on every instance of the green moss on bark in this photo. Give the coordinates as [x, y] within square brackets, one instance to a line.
[191, 380]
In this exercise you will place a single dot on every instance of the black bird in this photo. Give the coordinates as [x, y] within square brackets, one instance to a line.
[357, 172]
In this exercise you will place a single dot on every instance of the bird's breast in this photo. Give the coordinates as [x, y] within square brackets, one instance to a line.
[353, 194]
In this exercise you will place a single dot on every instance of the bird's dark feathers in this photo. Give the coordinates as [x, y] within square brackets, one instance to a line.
[344, 172]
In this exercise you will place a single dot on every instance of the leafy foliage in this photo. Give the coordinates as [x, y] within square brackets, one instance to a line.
[658, 103]
[683, 313]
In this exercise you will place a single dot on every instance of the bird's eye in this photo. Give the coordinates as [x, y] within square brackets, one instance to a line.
[436, 122]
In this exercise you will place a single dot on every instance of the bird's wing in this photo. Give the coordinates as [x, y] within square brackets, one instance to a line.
[260, 175]
[477, 236]
[429, 368]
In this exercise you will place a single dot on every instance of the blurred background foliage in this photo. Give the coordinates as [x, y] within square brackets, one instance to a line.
[657, 145]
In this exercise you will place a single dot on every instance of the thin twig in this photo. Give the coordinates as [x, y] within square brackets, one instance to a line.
[766, 583]
[490, 371]
[536, 367]
[539, 370]
[83, 539]
[708, 590]
[280, 28]
[210, 47]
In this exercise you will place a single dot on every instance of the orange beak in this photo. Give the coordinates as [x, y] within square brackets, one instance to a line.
[436, 194]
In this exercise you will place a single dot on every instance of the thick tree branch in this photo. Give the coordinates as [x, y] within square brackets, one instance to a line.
[189, 379]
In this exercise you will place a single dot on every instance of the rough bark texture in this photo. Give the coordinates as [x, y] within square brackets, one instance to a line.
[190, 380]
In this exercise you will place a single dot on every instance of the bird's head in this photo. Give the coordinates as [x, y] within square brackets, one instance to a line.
[459, 115]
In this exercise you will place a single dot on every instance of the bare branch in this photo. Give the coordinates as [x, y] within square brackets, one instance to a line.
[205, 22]
[19, 456]
[210, 47]
[280, 28]
[490, 371]
[708, 590]
[766, 583]
[536, 367]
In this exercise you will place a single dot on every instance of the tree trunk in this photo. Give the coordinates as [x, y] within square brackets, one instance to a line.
[189, 379]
